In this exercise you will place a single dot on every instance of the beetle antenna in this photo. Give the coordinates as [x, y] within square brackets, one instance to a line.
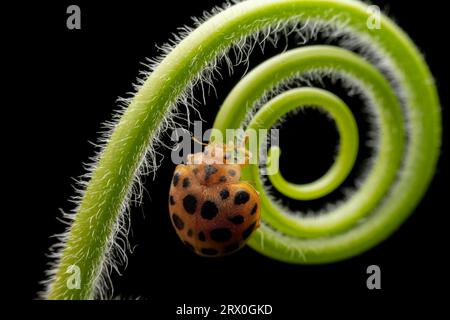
[198, 141]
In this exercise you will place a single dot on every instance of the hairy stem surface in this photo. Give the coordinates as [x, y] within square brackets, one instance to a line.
[399, 86]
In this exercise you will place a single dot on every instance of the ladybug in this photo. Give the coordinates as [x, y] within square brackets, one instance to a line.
[212, 211]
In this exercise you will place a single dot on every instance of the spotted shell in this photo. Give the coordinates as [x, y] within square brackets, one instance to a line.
[212, 211]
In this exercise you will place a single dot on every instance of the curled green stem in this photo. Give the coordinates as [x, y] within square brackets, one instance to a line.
[408, 110]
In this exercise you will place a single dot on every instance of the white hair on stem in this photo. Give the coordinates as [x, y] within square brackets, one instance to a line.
[115, 256]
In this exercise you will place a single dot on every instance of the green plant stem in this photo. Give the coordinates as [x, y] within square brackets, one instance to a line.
[92, 231]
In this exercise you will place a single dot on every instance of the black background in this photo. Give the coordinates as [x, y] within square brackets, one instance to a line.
[77, 78]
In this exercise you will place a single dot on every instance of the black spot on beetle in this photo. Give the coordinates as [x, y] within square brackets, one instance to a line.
[237, 219]
[176, 178]
[232, 172]
[201, 236]
[231, 248]
[209, 210]
[179, 224]
[186, 182]
[172, 200]
[190, 246]
[224, 194]
[247, 232]
[209, 170]
[189, 233]
[241, 197]
[190, 204]
[254, 209]
[221, 234]
[209, 251]
[222, 179]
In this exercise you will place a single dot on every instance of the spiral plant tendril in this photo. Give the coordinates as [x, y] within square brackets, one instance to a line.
[381, 65]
